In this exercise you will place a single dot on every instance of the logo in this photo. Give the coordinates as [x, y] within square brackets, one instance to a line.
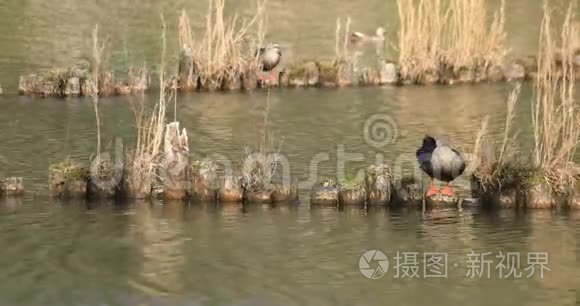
[373, 264]
[380, 130]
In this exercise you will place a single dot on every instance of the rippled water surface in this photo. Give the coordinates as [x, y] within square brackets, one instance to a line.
[77, 253]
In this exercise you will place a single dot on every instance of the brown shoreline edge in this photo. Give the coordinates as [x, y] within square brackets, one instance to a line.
[77, 82]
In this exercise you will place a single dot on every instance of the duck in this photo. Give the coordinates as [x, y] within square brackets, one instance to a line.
[359, 37]
[440, 162]
[269, 57]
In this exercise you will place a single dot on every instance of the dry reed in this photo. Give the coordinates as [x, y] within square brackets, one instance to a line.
[102, 170]
[497, 167]
[555, 115]
[144, 161]
[341, 40]
[259, 168]
[438, 34]
[98, 50]
[227, 47]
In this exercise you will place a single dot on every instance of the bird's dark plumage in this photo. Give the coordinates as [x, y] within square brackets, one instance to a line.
[439, 161]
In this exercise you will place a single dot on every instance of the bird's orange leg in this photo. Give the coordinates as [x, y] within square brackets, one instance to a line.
[432, 190]
[447, 191]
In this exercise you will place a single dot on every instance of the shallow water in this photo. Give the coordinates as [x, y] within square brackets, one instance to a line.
[77, 253]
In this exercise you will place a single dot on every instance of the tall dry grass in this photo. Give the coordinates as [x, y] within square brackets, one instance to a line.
[494, 161]
[341, 38]
[98, 50]
[555, 114]
[260, 166]
[227, 46]
[436, 34]
[144, 160]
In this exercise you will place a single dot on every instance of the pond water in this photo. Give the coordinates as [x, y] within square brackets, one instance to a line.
[78, 253]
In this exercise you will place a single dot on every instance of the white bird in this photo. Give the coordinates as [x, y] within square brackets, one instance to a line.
[359, 37]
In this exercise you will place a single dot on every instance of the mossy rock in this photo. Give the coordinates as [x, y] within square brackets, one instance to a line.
[53, 82]
[514, 71]
[347, 197]
[250, 79]
[495, 74]
[408, 191]
[379, 185]
[11, 186]
[351, 191]
[497, 197]
[465, 75]
[72, 87]
[68, 170]
[369, 77]
[284, 193]
[530, 63]
[204, 181]
[104, 179]
[540, 196]
[388, 73]
[442, 201]
[232, 82]
[106, 86]
[303, 74]
[231, 190]
[507, 175]
[210, 83]
[135, 185]
[574, 197]
[188, 73]
[258, 196]
[68, 179]
[328, 74]
[504, 185]
[432, 76]
[325, 193]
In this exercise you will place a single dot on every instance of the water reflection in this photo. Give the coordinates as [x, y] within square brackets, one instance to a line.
[158, 232]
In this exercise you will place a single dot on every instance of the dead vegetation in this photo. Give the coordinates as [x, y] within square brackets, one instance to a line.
[259, 166]
[438, 37]
[555, 115]
[226, 49]
[96, 78]
[555, 121]
[496, 164]
[144, 161]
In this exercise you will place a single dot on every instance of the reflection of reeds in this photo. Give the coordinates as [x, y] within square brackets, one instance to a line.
[223, 49]
[433, 36]
[555, 116]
